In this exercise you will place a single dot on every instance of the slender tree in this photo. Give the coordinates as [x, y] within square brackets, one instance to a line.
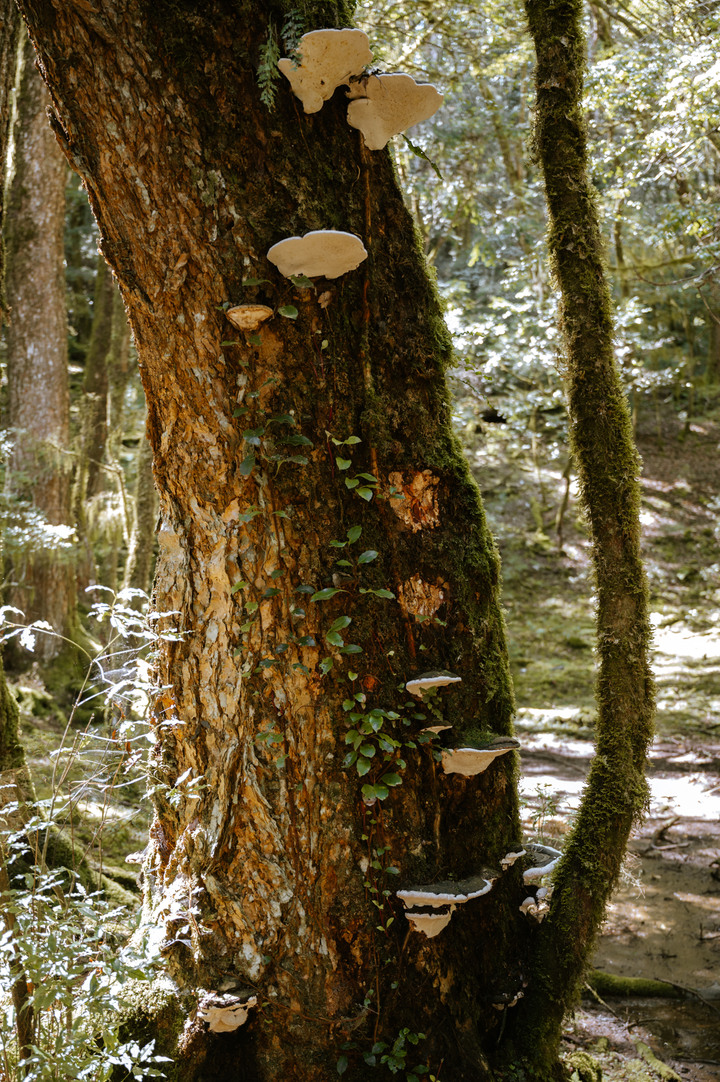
[38, 399]
[608, 468]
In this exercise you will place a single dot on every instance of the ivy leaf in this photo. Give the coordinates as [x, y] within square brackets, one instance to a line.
[250, 514]
[326, 594]
[353, 534]
[326, 665]
[353, 439]
[302, 281]
[420, 153]
[379, 593]
[342, 1065]
[367, 557]
[253, 281]
[351, 482]
[343, 463]
[238, 586]
[252, 606]
[391, 779]
[351, 648]
[283, 419]
[289, 311]
[365, 493]
[247, 465]
[304, 589]
[368, 750]
[363, 765]
[338, 544]
[335, 638]
[297, 440]
[340, 623]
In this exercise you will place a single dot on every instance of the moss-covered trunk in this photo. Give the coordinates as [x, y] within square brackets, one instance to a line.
[273, 864]
[608, 468]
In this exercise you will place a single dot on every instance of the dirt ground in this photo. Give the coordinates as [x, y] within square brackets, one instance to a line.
[664, 921]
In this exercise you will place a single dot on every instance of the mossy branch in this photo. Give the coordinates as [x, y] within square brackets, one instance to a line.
[608, 467]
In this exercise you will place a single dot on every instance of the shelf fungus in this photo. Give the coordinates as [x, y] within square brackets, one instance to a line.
[322, 253]
[429, 908]
[326, 59]
[509, 859]
[225, 1013]
[544, 861]
[471, 761]
[248, 317]
[428, 680]
[535, 908]
[385, 105]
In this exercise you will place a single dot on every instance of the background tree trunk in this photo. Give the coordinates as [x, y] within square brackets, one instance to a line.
[38, 402]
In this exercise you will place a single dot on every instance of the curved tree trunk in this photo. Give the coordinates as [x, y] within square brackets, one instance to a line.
[608, 468]
[38, 399]
[273, 863]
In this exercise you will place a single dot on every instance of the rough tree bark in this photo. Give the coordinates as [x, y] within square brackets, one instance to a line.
[268, 868]
[38, 400]
[273, 865]
[608, 468]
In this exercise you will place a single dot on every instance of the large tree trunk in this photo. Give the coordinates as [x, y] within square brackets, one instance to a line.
[269, 867]
[38, 400]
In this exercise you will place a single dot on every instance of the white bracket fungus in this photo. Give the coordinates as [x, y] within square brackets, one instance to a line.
[509, 859]
[322, 253]
[248, 317]
[471, 761]
[327, 59]
[535, 909]
[428, 680]
[544, 860]
[431, 924]
[225, 1013]
[441, 899]
[385, 105]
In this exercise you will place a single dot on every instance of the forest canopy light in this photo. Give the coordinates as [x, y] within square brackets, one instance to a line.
[385, 105]
[326, 59]
[323, 253]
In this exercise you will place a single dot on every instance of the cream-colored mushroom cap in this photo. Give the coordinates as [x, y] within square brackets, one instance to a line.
[248, 317]
[389, 105]
[323, 253]
[328, 59]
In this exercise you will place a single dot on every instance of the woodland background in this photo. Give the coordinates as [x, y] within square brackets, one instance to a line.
[79, 513]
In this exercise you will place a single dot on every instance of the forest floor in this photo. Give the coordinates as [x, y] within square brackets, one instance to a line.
[664, 920]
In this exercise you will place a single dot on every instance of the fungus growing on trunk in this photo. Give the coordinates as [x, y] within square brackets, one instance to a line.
[425, 901]
[428, 680]
[535, 909]
[544, 860]
[385, 105]
[326, 60]
[509, 859]
[430, 924]
[322, 253]
[471, 761]
[248, 317]
[225, 1013]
